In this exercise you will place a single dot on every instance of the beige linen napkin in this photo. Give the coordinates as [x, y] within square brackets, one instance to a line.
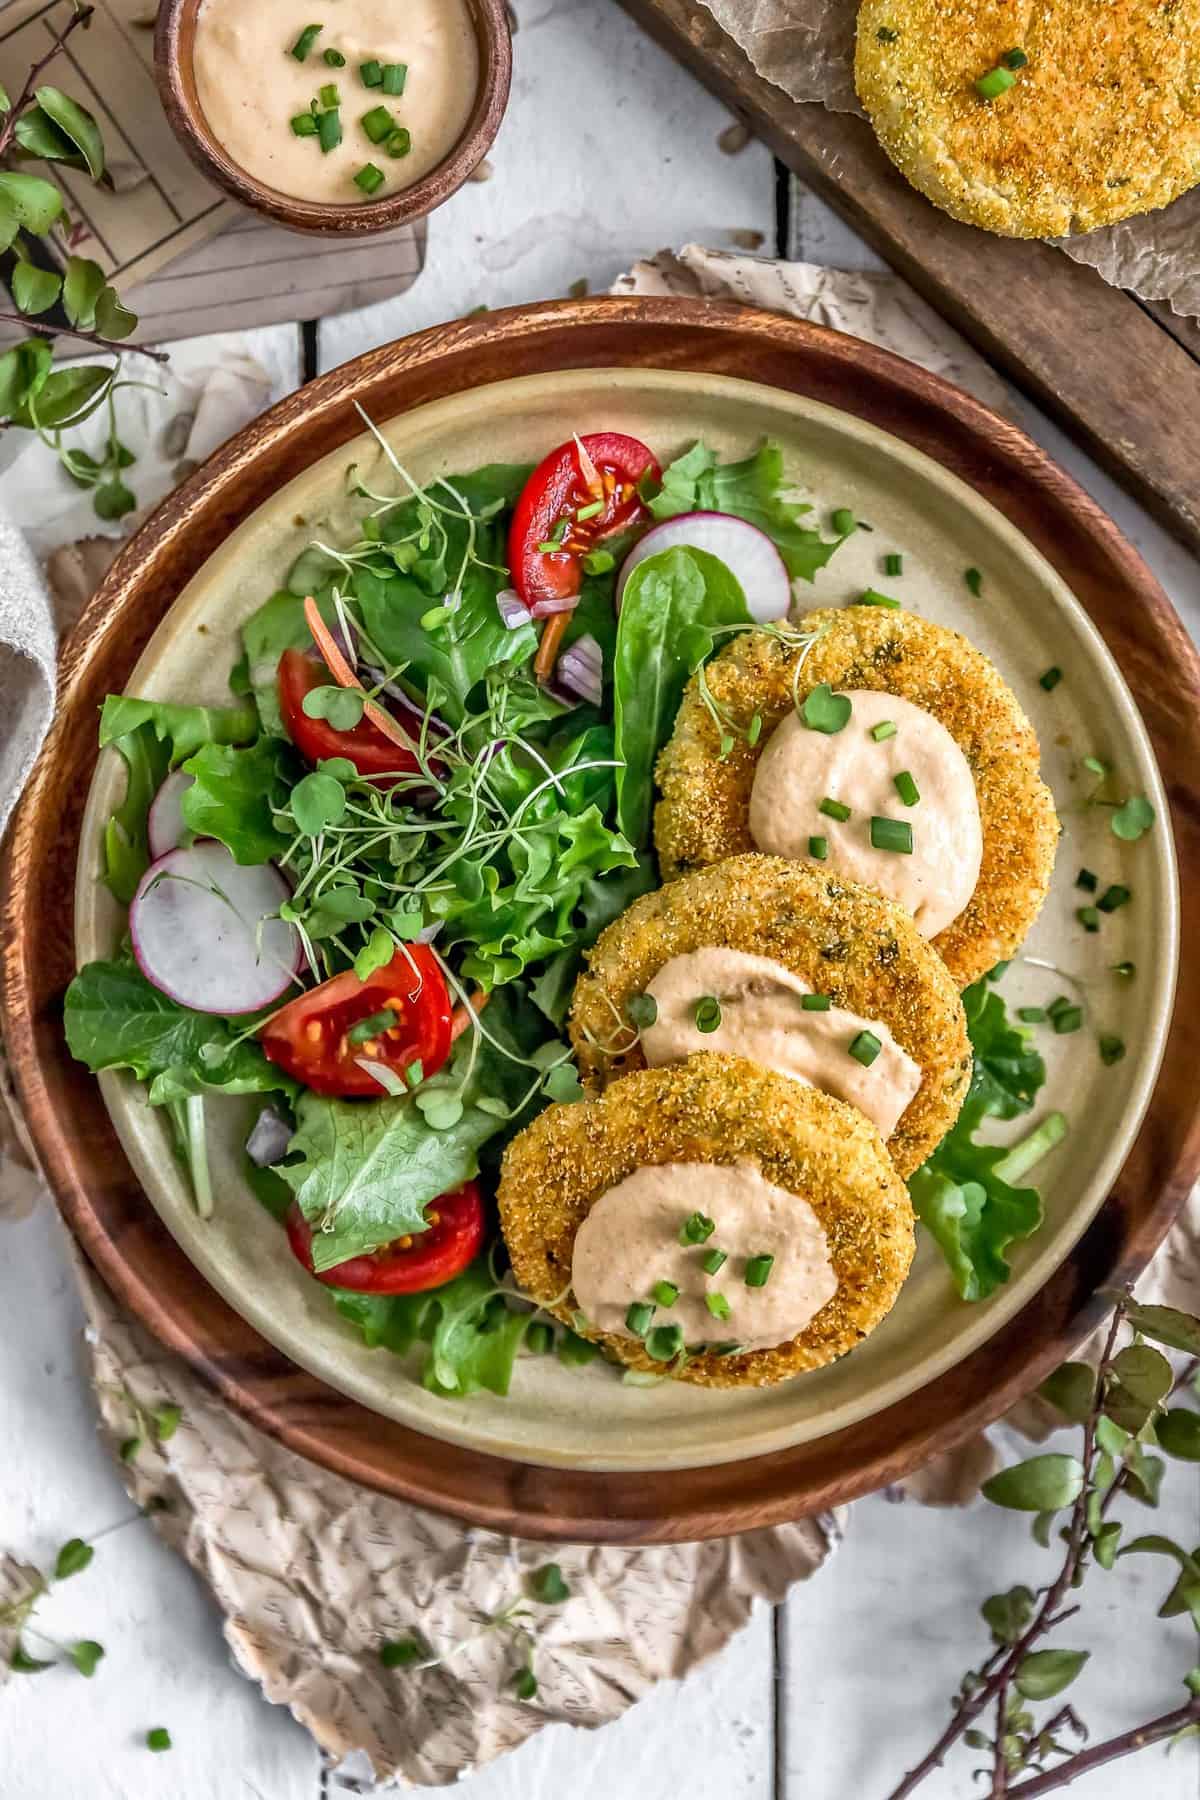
[311, 1573]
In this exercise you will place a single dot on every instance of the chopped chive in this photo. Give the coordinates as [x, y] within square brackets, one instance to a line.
[598, 562]
[160, 1738]
[885, 729]
[1032, 1015]
[304, 125]
[371, 73]
[591, 511]
[1088, 917]
[728, 1348]
[559, 529]
[893, 563]
[818, 848]
[1050, 679]
[892, 834]
[843, 521]
[713, 1260]
[999, 969]
[718, 1306]
[394, 76]
[1114, 896]
[665, 1293]
[833, 809]
[664, 1343]
[329, 130]
[378, 124]
[872, 597]
[1087, 881]
[865, 1048]
[754, 730]
[329, 96]
[906, 787]
[1124, 969]
[539, 1338]
[402, 1653]
[697, 1228]
[815, 1002]
[637, 1319]
[758, 1270]
[333, 59]
[305, 41]
[707, 1013]
[370, 1027]
[994, 83]
[547, 547]
[400, 142]
[1067, 1019]
[1112, 1049]
[974, 581]
[1014, 58]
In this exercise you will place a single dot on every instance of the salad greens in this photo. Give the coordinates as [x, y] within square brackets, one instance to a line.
[756, 490]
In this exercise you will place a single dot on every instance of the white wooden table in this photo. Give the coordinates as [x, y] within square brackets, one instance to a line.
[609, 152]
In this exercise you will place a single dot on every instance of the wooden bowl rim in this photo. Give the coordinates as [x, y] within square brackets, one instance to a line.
[322, 218]
[133, 1252]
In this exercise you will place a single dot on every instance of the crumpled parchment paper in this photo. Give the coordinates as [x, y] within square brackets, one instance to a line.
[806, 47]
[312, 1573]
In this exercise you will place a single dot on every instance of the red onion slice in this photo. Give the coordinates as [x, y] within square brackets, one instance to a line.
[512, 609]
[545, 609]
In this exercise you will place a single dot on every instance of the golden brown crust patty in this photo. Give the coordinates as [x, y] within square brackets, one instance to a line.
[703, 814]
[715, 1109]
[1103, 121]
[840, 938]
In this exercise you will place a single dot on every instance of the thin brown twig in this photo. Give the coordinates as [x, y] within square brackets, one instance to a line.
[999, 1753]
[8, 129]
[970, 1707]
[1124, 1744]
[86, 337]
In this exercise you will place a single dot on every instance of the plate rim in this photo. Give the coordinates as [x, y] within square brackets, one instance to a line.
[131, 1253]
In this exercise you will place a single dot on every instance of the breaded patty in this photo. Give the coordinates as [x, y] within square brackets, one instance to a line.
[839, 938]
[702, 817]
[715, 1109]
[1103, 121]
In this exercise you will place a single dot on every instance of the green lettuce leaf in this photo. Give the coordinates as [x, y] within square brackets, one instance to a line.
[183, 729]
[471, 1343]
[969, 1210]
[755, 490]
[231, 797]
[672, 605]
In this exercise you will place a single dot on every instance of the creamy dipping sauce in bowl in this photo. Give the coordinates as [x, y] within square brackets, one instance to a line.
[294, 117]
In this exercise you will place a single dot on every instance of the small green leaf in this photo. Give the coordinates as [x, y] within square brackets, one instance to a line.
[1165, 1324]
[823, 710]
[562, 1084]
[1132, 820]
[317, 801]
[1191, 1680]
[34, 290]
[22, 1663]
[402, 1653]
[112, 500]
[342, 707]
[75, 1555]
[1008, 1614]
[1111, 1437]
[1042, 1527]
[1105, 1544]
[158, 1739]
[440, 1110]
[83, 283]
[64, 397]
[1143, 1478]
[37, 203]
[1071, 1389]
[1144, 1372]
[113, 320]
[525, 1684]
[1178, 1433]
[1044, 1673]
[1042, 1484]
[76, 124]
[376, 953]
[85, 1655]
[1155, 1544]
[547, 1585]
[165, 1420]
[129, 1449]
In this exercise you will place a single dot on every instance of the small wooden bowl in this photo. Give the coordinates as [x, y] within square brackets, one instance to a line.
[174, 39]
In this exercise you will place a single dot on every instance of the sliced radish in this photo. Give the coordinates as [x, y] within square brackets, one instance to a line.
[747, 553]
[165, 827]
[202, 931]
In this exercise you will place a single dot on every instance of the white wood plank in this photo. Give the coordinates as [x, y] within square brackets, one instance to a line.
[62, 1737]
[608, 152]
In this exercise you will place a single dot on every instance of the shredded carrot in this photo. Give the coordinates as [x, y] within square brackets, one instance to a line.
[553, 632]
[345, 677]
[462, 1016]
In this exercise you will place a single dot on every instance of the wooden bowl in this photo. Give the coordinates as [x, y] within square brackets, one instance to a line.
[70, 1123]
[174, 39]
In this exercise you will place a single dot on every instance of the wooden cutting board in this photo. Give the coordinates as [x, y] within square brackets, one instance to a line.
[1121, 374]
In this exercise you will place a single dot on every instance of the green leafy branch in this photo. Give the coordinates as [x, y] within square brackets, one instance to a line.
[1125, 1409]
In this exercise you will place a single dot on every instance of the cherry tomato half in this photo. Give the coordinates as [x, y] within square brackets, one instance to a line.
[364, 744]
[313, 1037]
[551, 501]
[410, 1265]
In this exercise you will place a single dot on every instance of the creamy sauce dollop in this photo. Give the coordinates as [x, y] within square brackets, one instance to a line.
[763, 1018]
[250, 87]
[800, 767]
[630, 1240]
